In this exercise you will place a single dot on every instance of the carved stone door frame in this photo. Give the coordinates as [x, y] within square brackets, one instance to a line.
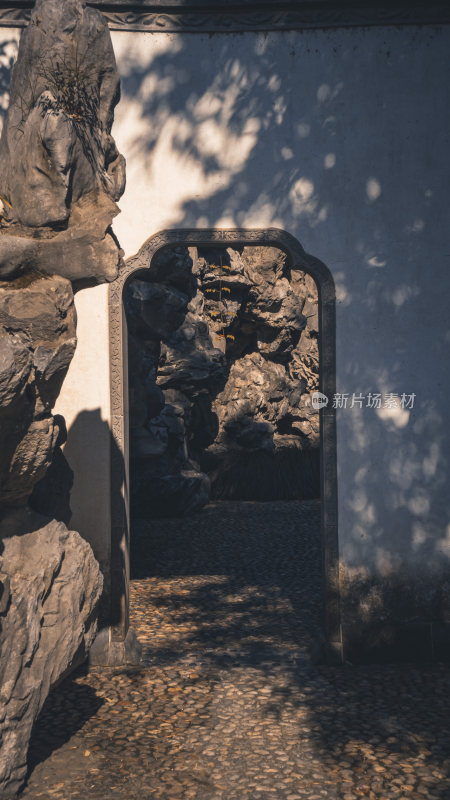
[119, 636]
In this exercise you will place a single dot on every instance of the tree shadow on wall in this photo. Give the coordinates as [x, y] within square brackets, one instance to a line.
[249, 134]
[252, 137]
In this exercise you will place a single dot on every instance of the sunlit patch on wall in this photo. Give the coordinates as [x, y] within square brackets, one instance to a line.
[397, 415]
[303, 130]
[374, 261]
[373, 189]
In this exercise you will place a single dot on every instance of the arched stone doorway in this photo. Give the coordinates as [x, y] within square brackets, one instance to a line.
[120, 638]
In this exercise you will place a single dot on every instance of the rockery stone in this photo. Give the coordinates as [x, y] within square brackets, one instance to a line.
[229, 336]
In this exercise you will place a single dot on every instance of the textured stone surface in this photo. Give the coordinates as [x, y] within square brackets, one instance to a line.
[61, 171]
[47, 627]
[60, 177]
[37, 342]
[173, 494]
[85, 249]
[223, 333]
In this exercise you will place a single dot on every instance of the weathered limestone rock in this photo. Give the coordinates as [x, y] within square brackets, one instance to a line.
[172, 267]
[172, 362]
[51, 584]
[230, 336]
[189, 361]
[53, 579]
[37, 342]
[85, 249]
[61, 172]
[174, 494]
[160, 308]
[60, 178]
[257, 390]
[304, 364]
[15, 366]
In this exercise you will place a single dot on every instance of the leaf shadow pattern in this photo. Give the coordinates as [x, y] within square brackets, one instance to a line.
[251, 592]
[371, 721]
[251, 130]
[225, 122]
[235, 588]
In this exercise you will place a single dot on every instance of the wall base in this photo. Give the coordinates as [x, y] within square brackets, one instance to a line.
[107, 652]
[396, 644]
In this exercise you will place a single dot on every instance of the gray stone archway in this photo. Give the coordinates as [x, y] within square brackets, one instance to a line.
[119, 637]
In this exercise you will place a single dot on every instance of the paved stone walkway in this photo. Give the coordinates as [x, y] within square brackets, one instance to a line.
[228, 704]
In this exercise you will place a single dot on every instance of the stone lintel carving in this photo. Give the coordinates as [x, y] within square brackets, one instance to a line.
[249, 15]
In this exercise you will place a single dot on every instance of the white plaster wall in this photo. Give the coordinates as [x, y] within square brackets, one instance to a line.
[341, 137]
[85, 404]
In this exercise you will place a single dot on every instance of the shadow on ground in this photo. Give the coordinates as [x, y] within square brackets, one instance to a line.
[238, 585]
[67, 708]
[226, 604]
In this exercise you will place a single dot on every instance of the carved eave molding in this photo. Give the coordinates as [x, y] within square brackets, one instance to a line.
[203, 16]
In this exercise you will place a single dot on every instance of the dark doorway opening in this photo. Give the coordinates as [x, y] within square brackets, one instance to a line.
[159, 554]
[226, 549]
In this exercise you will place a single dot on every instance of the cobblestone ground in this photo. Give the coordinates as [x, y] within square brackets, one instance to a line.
[228, 704]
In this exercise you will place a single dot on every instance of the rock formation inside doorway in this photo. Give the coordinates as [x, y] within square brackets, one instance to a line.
[223, 358]
[60, 177]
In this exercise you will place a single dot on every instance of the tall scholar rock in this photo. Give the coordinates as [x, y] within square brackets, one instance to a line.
[60, 178]
[61, 172]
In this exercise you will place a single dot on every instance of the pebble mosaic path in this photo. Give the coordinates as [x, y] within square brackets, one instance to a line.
[229, 703]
